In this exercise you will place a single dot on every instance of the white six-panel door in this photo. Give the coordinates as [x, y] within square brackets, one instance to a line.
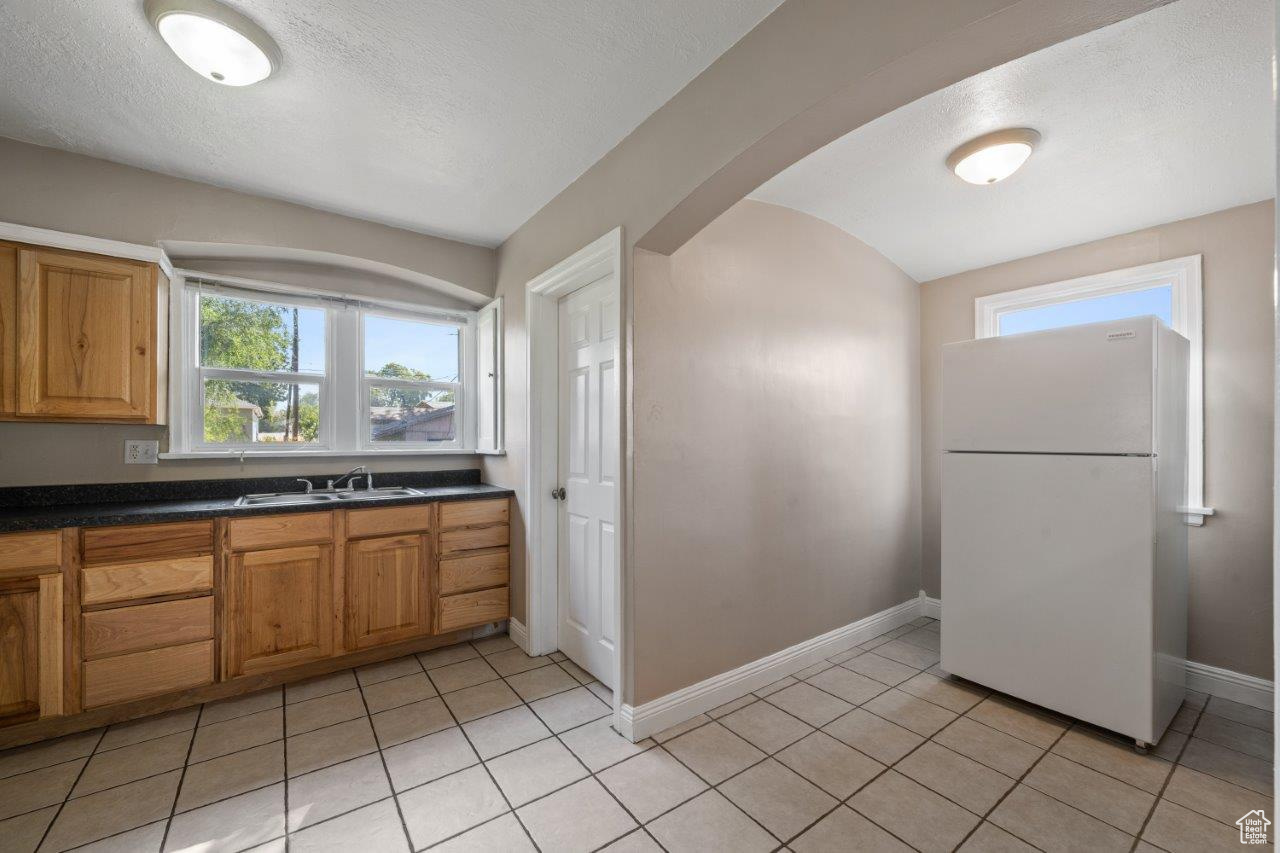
[588, 461]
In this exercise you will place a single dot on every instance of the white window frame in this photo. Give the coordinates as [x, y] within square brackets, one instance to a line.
[344, 422]
[1183, 276]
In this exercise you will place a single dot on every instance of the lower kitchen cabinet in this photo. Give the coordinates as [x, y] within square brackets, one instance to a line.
[386, 590]
[30, 647]
[279, 608]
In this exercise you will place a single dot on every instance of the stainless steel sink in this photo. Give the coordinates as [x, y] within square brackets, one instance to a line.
[321, 497]
[384, 492]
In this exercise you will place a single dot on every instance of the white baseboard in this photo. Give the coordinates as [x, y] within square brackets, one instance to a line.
[518, 633]
[650, 718]
[931, 607]
[1226, 684]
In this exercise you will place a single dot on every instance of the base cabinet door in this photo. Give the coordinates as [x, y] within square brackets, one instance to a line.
[30, 648]
[279, 608]
[386, 590]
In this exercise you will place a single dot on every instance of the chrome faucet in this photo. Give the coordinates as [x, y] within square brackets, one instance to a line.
[354, 472]
[306, 484]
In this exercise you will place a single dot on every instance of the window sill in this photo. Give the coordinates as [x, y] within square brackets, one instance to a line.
[238, 455]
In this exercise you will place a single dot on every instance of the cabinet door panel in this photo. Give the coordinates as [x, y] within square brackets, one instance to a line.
[87, 328]
[30, 648]
[386, 589]
[279, 608]
[8, 329]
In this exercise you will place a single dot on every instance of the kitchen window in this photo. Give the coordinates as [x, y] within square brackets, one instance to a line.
[268, 370]
[1170, 290]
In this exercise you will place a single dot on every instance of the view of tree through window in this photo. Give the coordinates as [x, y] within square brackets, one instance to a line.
[413, 375]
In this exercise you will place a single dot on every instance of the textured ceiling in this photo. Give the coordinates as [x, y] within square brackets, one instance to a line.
[1164, 116]
[454, 117]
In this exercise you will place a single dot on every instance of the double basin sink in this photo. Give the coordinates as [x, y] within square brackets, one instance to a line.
[327, 496]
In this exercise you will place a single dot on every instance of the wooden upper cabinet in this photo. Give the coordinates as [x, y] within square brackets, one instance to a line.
[8, 329]
[386, 590]
[30, 648]
[279, 608]
[91, 337]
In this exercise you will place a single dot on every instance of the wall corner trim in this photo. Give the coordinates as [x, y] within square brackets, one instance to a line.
[518, 633]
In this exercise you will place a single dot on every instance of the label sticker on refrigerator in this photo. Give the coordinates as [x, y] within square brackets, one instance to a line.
[1120, 336]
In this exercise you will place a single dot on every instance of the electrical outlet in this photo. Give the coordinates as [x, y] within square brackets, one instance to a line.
[141, 452]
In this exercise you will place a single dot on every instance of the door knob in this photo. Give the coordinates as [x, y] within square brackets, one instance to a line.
[558, 493]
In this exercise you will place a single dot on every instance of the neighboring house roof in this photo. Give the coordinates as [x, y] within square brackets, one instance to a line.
[417, 418]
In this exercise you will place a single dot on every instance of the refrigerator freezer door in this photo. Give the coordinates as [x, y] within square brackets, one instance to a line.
[1085, 389]
[1047, 582]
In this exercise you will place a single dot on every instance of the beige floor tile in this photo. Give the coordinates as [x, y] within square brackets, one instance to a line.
[318, 796]
[809, 703]
[579, 818]
[386, 670]
[534, 684]
[1111, 801]
[954, 695]
[395, 692]
[835, 768]
[505, 731]
[1238, 736]
[447, 655]
[598, 746]
[108, 769]
[873, 736]
[880, 668]
[558, 656]
[494, 644]
[22, 834]
[780, 800]
[471, 703]
[1114, 758]
[231, 774]
[144, 839]
[917, 715]
[1185, 720]
[38, 788]
[579, 674]
[450, 806]
[741, 702]
[1213, 797]
[1170, 745]
[47, 753]
[765, 727]
[375, 828]
[112, 811]
[812, 670]
[239, 706]
[515, 660]
[1017, 720]
[1180, 830]
[924, 638]
[989, 838]
[428, 758]
[323, 711]
[651, 783]
[1256, 717]
[467, 673]
[961, 780]
[333, 745]
[314, 688]
[768, 690]
[604, 694]
[234, 824]
[149, 728]
[570, 709]
[852, 687]
[411, 721]
[875, 643]
[915, 814]
[912, 655]
[236, 734]
[845, 830]
[535, 770]
[845, 655]
[710, 824]
[638, 841]
[503, 834]
[1228, 765]
[681, 728]
[984, 744]
[714, 752]
[1053, 826]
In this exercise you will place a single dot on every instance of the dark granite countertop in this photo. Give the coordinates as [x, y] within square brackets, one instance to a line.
[37, 507]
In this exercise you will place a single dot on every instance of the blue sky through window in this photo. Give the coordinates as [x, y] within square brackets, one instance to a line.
[431, 348]
[1116, 306]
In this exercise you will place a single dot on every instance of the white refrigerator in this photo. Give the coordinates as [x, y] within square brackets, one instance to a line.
[1064, 554]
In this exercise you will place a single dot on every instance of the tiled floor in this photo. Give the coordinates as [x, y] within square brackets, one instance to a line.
[479, 747]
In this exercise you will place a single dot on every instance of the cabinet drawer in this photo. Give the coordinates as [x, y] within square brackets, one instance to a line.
[472, 538]
[42, 550]
[147, 626]
[127, 677]
[472, 608]
[132, 581]
[133, 543]
[478, 571]
[244, 534]
[394, 519]
[466, 513]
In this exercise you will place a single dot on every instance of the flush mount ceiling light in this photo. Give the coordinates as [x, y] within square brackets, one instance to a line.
[993, 157]
[215, 41]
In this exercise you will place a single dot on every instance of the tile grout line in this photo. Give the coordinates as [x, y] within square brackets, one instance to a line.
[67, 797]
[1165, 784]
[173, 808]
[382, 759]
